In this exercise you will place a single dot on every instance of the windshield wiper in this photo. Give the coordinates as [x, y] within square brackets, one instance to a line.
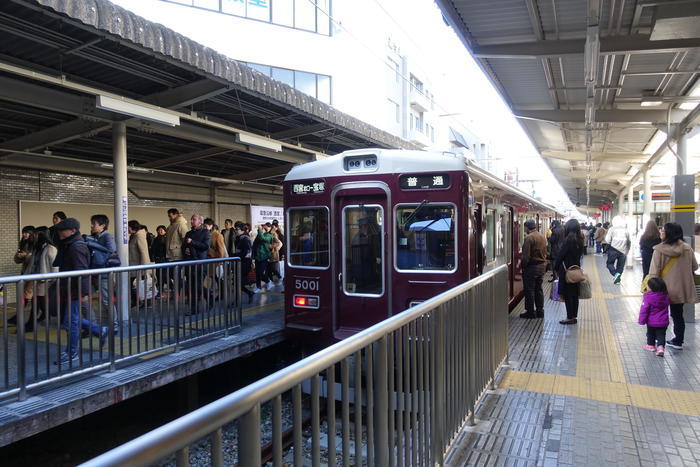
[407, 223]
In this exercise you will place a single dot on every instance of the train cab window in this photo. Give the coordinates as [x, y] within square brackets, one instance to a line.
[363, 247]
[308, 237]
[425, 237]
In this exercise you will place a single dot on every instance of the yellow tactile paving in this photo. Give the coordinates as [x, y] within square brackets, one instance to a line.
[597, 355]
[635, 395]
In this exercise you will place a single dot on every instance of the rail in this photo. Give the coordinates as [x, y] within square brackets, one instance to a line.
[413, 381]
[126, 312]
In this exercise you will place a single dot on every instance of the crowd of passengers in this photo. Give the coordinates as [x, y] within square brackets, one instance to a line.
[63, 247]
[669, 266]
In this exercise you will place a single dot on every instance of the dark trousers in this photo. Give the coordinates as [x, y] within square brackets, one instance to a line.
[570, 293]
[246, 266]
[678, 323]
[261, 272]
[532, 281]
[598, 247]
[656, 336]
[615, 256]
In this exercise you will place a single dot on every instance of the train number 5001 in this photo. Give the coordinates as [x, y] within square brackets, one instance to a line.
[305, 284]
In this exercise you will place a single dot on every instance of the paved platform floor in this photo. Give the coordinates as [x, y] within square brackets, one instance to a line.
[588, 394]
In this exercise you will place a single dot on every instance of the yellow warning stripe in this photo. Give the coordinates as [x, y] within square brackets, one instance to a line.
[633, 395]
[682, 209]
[597, 354]
[683, 206]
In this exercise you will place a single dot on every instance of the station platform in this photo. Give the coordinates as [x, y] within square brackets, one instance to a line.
[63, 401]
[589, 394]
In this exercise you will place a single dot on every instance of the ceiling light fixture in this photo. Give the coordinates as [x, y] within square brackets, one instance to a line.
[136, 110]
[258, 141]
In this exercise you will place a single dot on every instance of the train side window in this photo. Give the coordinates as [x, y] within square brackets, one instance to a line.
[489, 240]
[308, 237]
[363, 248]
[425, 237]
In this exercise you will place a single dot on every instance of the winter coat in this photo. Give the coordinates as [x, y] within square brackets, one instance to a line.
[534, 249]
[618, 237]
[600, 234]
[679, 278]
[175, 235]
[556, 241]
[275, 247]
[43, 264]
[199, 246]
[73, 255]
[244, 246]
[654, 310]
[160, 249]
[217, 248]
[262, 245]
[138, 249]
[646, 248]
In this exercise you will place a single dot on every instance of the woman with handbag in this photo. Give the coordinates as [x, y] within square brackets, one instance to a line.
[678, 277]
[570, 255]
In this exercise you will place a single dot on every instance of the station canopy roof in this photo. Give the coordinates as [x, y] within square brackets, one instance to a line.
[70, 68]
[591, 82]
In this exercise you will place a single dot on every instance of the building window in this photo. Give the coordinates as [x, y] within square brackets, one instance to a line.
[394, 110]
[299, 14]
[318, 86]
[416, 84]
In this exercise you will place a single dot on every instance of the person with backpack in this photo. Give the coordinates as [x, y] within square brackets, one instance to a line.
[74, 255]
[618, 239]
[103, 254]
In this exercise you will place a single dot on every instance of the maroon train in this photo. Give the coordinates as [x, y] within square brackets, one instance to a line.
[371, 232]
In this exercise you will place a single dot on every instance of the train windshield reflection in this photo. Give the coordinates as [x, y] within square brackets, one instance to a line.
[425, 237]
[308, 242]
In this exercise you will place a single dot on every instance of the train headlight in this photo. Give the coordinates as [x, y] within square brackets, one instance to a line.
[307, 301]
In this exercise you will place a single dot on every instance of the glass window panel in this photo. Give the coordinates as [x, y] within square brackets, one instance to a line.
[283, 12]
[305, 82]
[490, 235]
[363, 265]
[264, 69]
[323, 22]
[425, 238]
[324, 88]
[305, 15]
[259, 9]
[308, 237]
[208, 4]
[283, 75]
[234, 7]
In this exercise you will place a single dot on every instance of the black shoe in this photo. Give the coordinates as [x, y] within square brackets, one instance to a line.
[569, 321]
[527, 315]
[12, 321]
[674, 345]
[539, 314]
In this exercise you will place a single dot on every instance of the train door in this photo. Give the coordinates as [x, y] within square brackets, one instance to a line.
[479, 253]
[361, 260]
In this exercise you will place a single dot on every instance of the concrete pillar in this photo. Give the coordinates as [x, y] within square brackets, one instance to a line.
[121, 216]
[215, 206]
[621, 204]
[683, 204]
[647, 198]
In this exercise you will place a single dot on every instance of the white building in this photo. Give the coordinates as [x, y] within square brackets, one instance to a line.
[356, 55]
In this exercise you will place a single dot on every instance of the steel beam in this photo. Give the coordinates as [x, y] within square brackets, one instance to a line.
[264, 173]
[610, 45]
[602, 116]
[301, 131]
[191, 156]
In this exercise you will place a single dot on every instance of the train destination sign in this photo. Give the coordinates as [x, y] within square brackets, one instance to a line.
[424, 181]
[309, 187]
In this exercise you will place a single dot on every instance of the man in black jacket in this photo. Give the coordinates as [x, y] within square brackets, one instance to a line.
[196, 246]
[74, 255]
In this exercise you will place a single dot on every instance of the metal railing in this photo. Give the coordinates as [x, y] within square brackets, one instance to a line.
[125, 313]
[412, 380]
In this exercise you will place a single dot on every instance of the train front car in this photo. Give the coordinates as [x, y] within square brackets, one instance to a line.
[371, 232]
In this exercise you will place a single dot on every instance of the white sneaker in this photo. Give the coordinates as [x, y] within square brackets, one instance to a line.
[270, 285]
[257, 290]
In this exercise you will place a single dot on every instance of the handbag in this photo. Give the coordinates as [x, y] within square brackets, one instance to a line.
[574, 275]
[584, 290]
[645, 282]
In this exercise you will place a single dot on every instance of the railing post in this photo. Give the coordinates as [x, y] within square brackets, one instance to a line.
[21, 349]
[249, 437]
[178, 295]
[381, 407]
[239, 287]
[438, 339]
[111, 312]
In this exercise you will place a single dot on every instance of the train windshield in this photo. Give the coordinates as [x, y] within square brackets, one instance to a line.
[308, 237]
[425, 237]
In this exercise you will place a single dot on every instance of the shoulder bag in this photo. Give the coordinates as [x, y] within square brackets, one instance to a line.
[645, 282]
[574, 275]
[584, 290]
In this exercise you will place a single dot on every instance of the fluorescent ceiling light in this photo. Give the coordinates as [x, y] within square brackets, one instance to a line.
[143, 170]
[695, 92]
[222, 180]
[258, 141]
[135, 110]
[652, 101]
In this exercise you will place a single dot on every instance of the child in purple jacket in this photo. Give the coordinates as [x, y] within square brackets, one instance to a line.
[654, 313]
